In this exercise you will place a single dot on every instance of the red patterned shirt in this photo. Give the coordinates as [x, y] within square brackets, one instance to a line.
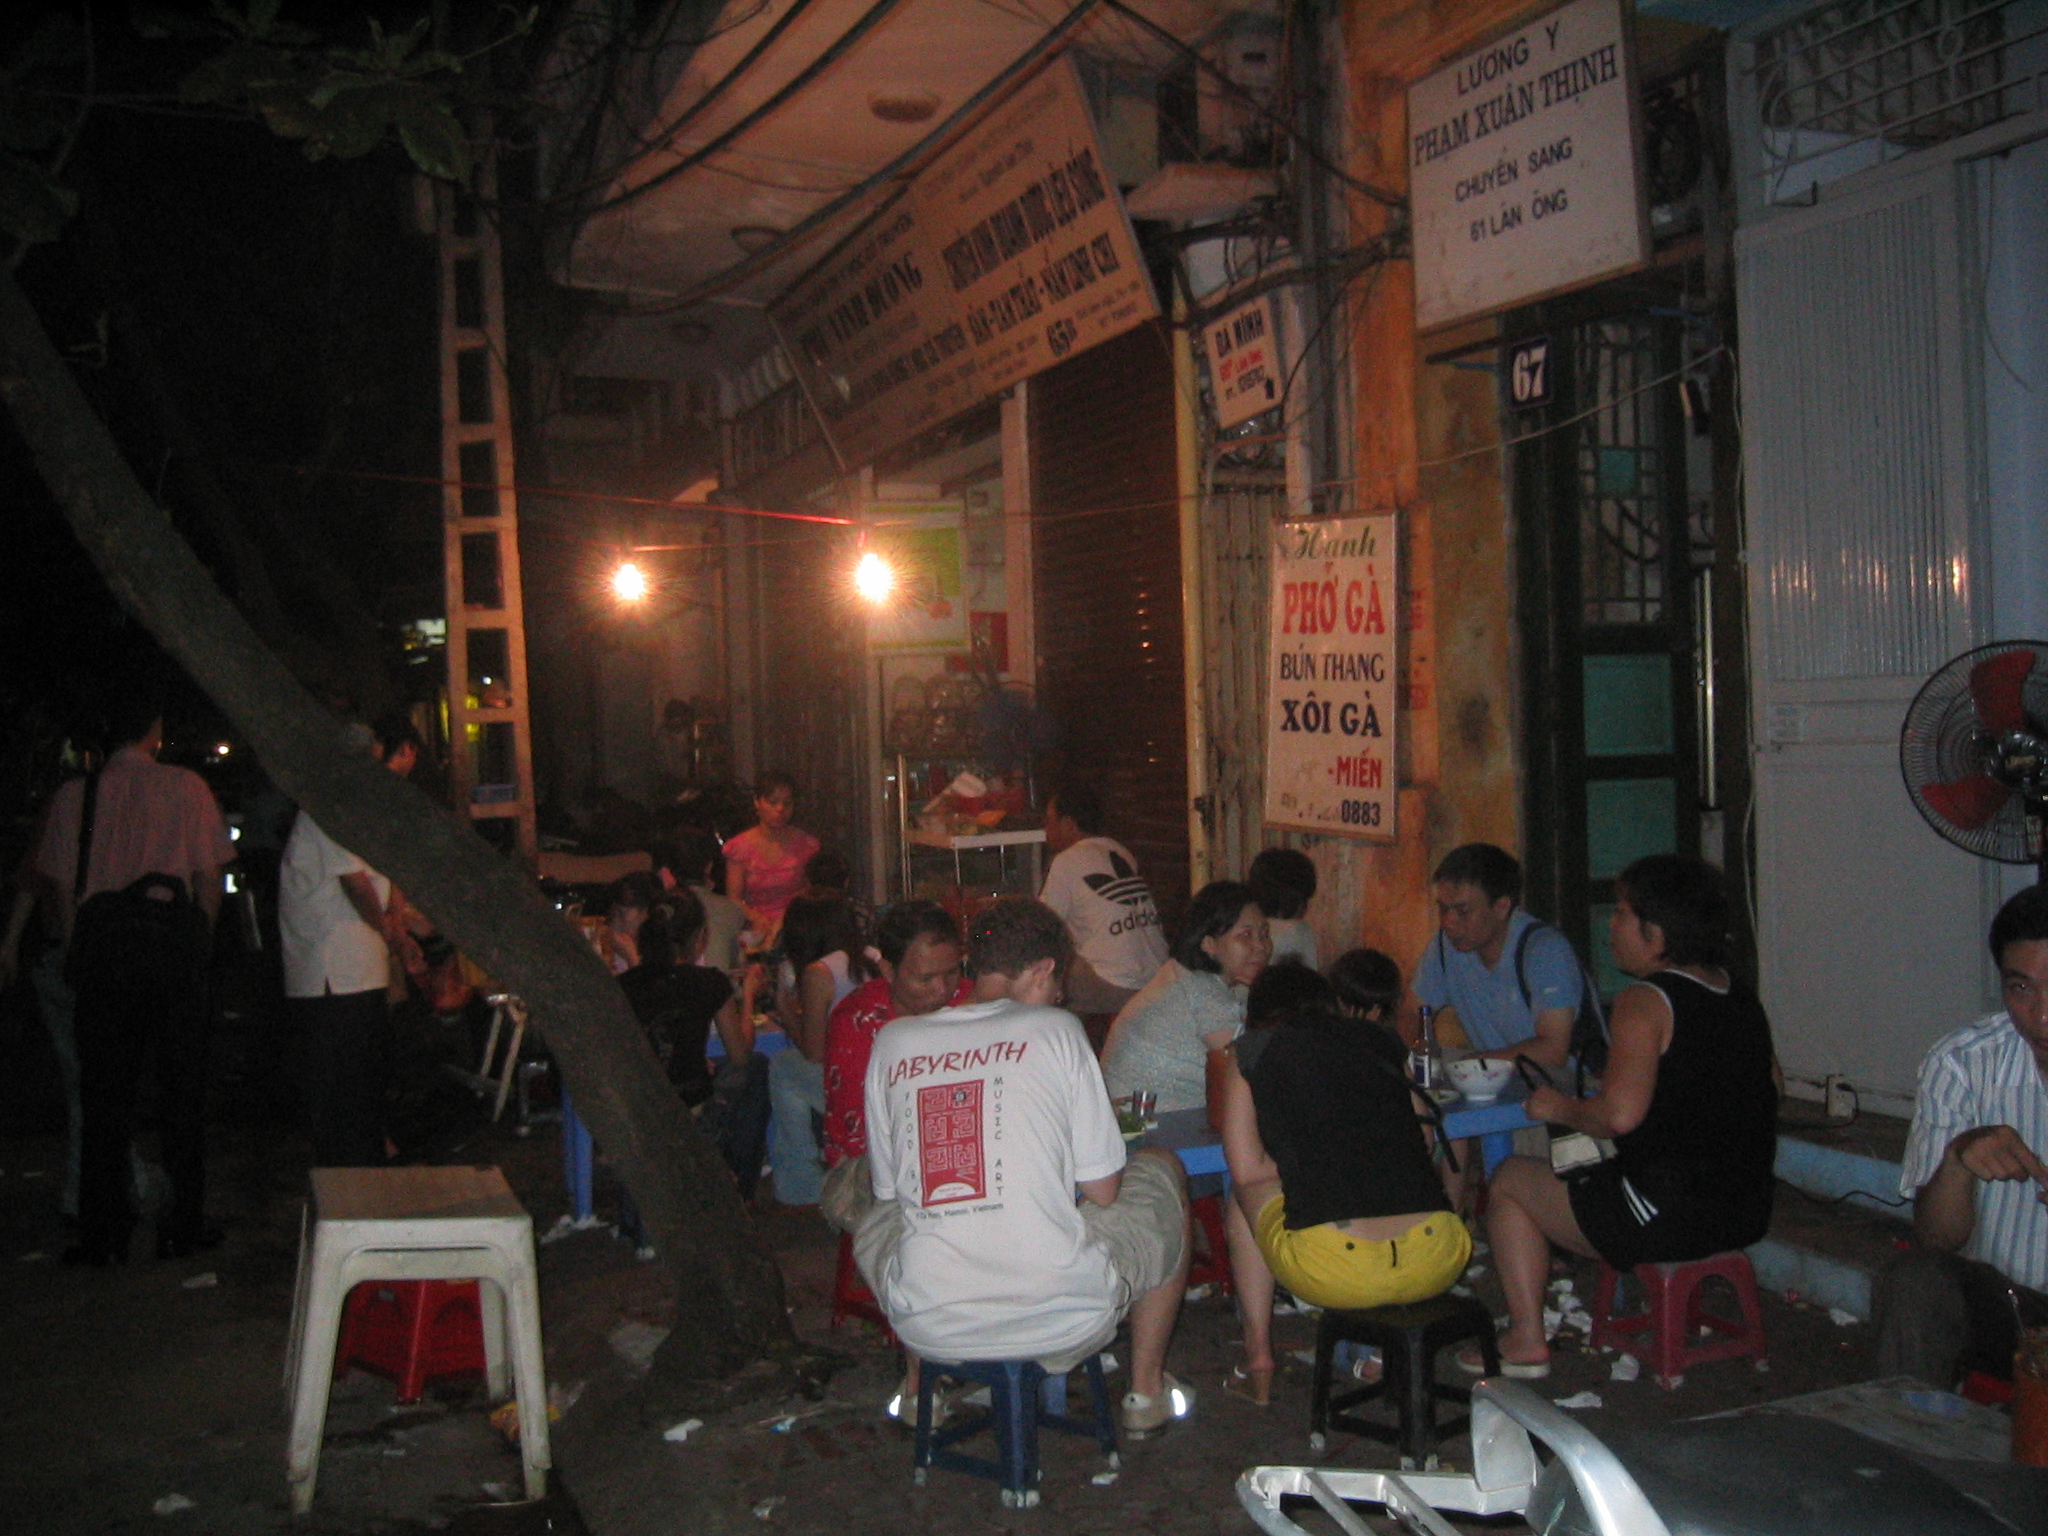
[849, 1040]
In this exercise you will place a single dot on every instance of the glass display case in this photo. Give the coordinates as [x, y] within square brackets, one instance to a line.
[964, 849]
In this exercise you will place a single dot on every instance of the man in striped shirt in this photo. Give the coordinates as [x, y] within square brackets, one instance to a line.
[1974, 1172]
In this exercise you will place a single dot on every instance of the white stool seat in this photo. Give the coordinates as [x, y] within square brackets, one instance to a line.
[414, 1224]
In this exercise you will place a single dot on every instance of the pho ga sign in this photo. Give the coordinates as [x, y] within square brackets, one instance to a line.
[1330, 678]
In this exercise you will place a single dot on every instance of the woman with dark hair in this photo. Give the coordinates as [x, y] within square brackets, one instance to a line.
[1161, 1041]
[1283, 881]
[1329, 1153]
[1689, 1100]
[823, 959]
[678, 1001]
[1367, 986]
[764, 865]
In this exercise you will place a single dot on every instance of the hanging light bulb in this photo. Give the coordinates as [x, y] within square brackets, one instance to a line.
[874, 578]
[629, 583]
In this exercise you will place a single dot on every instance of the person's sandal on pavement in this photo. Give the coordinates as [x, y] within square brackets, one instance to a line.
[1473, 1363]
[1252, 1383]
[1151, 1415]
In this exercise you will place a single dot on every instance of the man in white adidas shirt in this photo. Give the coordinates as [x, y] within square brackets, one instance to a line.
[1094, 885]
[1974, 1171]
[983, 1120]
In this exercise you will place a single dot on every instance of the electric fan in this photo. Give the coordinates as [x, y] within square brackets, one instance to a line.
[1974, 751]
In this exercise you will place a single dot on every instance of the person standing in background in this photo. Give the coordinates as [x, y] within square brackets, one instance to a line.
[336, 923]
[764, 865]
[150, 839]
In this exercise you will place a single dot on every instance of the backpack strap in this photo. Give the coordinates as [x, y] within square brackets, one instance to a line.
[1589, 1001]
[88, 810]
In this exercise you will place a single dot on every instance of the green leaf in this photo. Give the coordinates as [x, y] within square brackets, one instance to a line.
[436, 141]
[33, 208]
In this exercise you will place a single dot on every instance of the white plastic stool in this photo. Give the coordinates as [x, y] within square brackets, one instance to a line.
[414, 1224]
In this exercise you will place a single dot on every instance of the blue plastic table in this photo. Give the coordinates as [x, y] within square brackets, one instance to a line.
[1186, 1132]
[576, 1147]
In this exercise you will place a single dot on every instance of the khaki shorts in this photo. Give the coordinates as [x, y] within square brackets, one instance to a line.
[1144, 1232]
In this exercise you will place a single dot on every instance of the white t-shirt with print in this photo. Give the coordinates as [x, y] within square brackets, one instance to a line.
[1095, 887]
[981, 1120]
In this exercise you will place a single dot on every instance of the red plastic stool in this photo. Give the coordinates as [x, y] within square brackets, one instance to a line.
[411, 1331]
[1673, 1316]
[851, 1296]
[1215, 1268]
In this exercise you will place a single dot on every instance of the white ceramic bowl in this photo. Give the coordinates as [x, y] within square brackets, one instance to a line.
[1480, 1078]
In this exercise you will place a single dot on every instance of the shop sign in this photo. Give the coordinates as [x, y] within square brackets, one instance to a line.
[1244, 363]
[926, 610]
[1524, 166]
[1007, 254]
[1330, 715]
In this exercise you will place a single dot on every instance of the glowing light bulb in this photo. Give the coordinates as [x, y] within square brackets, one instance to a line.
[629, 583]
[873, 578]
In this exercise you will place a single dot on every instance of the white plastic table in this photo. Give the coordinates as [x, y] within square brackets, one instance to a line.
[461, 1223]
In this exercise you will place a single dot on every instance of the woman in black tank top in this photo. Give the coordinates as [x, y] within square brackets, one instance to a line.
[1689, 1101]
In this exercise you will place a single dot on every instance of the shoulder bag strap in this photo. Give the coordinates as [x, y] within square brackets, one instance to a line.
[1433, 1113]
[87, 810]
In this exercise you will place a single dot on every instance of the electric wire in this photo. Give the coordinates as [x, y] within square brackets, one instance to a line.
[805, 229]
[833, 52]
[1378, 194]
[665, 134]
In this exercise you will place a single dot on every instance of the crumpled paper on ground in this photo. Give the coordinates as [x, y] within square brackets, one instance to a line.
[1627, 1368]
[635, 1343]
[1581, 1400]
[677, 1434]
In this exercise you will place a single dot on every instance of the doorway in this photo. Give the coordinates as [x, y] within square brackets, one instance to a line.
[1614, 497]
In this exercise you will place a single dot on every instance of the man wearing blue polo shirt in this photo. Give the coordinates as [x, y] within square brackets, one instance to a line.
[1513, 984]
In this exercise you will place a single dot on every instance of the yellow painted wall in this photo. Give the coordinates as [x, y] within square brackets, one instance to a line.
[1460, 733]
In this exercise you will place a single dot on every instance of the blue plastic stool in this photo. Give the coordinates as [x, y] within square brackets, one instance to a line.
[1021, 1398]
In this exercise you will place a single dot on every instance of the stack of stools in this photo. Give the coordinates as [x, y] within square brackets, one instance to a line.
[1674, 1319]
[412, 1332]
[851, 1296]
[378, 1224]
[1017, 1408]
[1409, 1338]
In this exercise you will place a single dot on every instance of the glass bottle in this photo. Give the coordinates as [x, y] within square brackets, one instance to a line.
[1426, 1061]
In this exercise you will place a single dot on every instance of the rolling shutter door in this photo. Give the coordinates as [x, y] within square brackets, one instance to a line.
[1106, 550]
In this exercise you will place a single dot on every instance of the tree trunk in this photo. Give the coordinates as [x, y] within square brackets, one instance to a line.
[730, 1297]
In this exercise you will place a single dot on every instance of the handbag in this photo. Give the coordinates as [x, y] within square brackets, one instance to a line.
[154, 914]
[1573, 1153]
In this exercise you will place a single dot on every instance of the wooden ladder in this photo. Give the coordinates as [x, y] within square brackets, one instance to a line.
[490, 746]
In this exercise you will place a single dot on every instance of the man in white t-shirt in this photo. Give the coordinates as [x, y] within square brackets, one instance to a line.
[1094, 885]
[982, 1121]
[331, 917]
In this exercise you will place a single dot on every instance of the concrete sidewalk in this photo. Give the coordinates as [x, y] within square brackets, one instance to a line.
[128, 1387]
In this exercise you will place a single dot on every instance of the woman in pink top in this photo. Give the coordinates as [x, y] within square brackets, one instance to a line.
[764, 865]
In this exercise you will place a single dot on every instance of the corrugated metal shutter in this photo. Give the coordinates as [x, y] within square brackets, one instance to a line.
[1107, 592]
[808, 713]
[1237, 521]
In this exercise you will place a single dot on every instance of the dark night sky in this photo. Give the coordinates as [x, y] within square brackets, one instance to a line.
[291, 308]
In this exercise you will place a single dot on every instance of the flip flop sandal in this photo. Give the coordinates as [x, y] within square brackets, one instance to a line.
[1473, 1363]
[1251, 1385]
